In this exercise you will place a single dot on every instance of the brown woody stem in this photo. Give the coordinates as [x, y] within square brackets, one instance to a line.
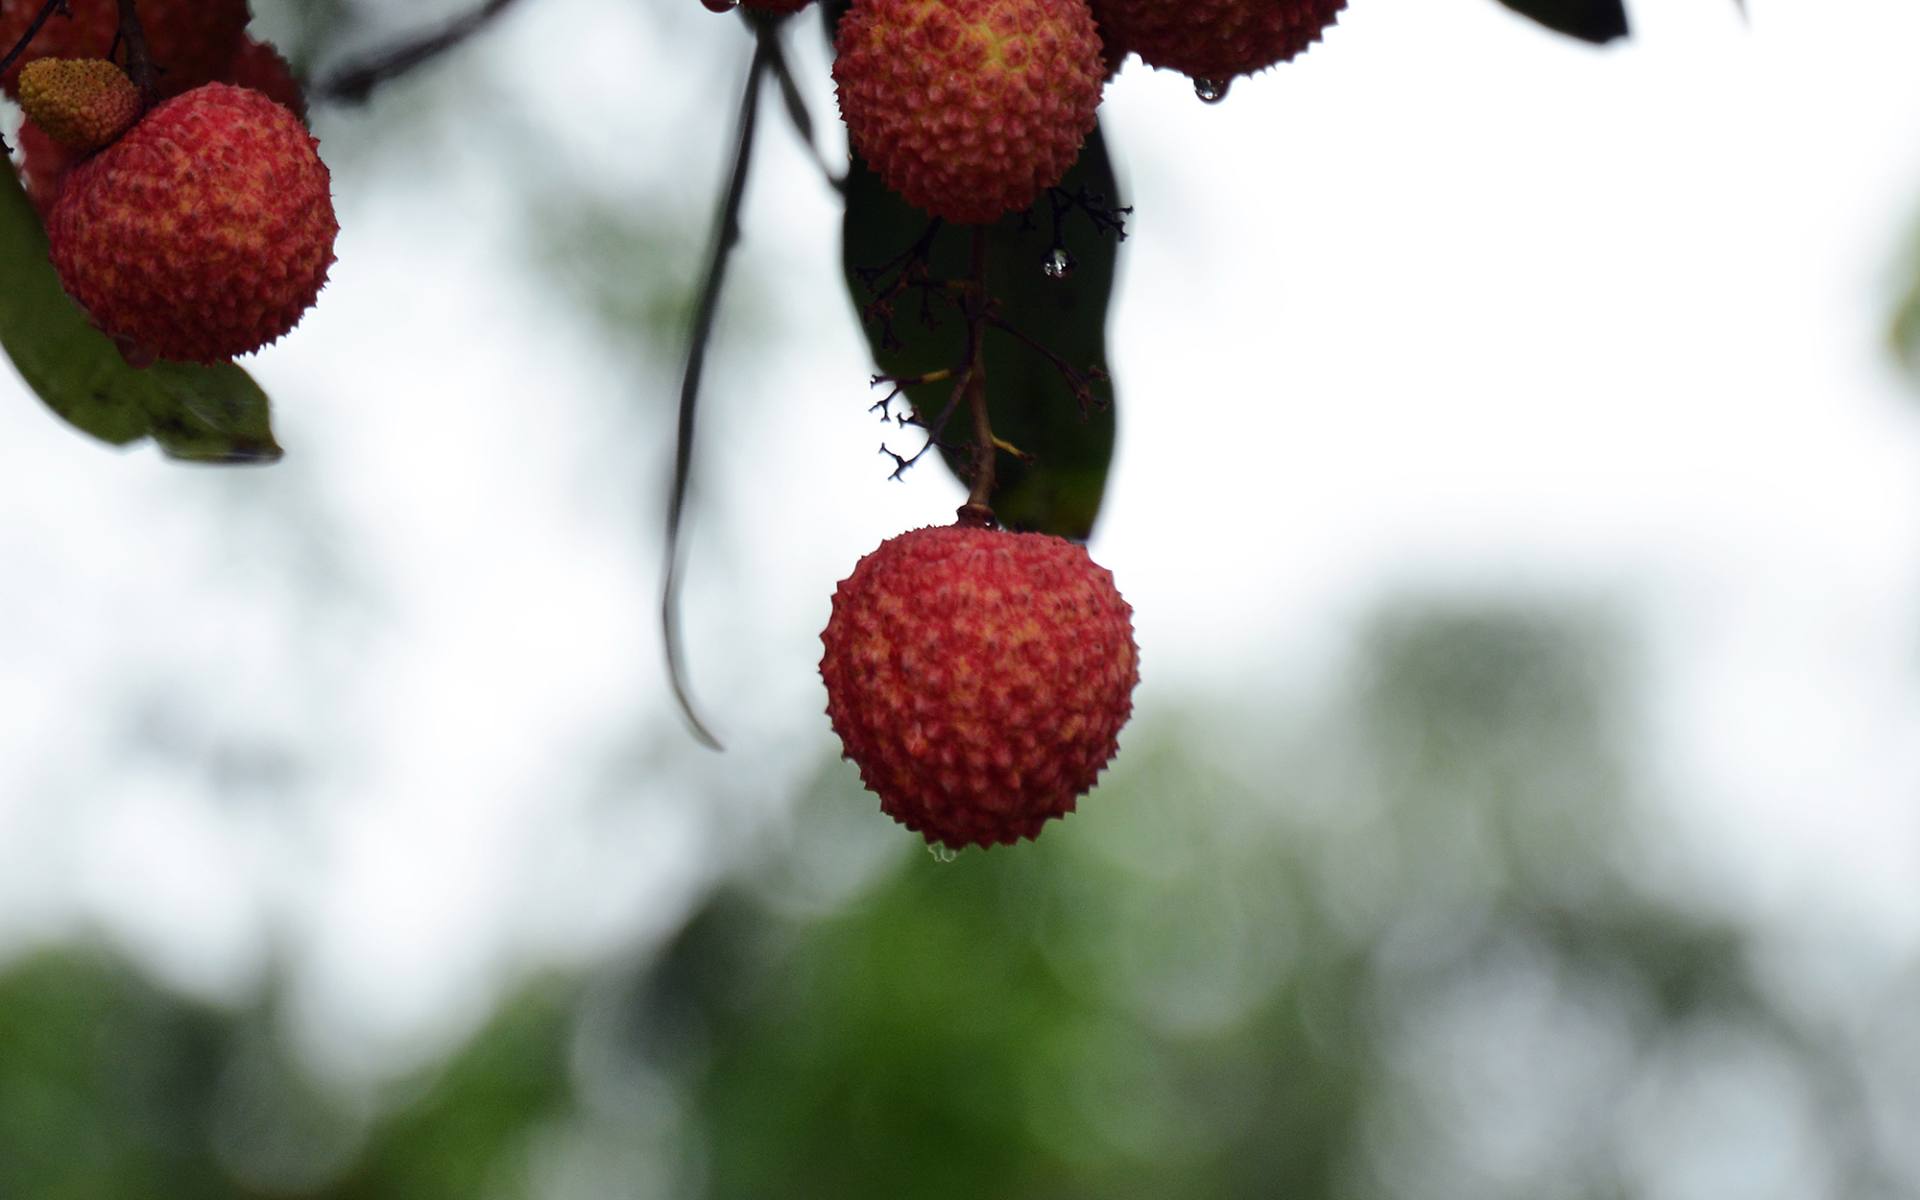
[980, 498]
[133, 36]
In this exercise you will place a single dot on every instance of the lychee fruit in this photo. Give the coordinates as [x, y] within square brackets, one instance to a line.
[189, 41]
[204, 233]
[257, 65]
[968, 108]
[44, 164]
[979, 679]
[1215, 40]
[81, 103]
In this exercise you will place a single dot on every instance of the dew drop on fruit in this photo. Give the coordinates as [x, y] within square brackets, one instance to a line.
[721, 6]
[942, 853]
[1059, 264]
[1213, 91]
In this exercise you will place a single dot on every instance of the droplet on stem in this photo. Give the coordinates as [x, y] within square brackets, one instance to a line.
[1059, 264]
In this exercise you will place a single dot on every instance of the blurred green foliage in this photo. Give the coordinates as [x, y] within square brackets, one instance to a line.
[1401, 943]
[1905, 330]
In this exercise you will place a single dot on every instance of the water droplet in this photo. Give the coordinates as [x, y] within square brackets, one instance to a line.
[1213, 91]
[942, 853]
[720, 6]
[1059, 264]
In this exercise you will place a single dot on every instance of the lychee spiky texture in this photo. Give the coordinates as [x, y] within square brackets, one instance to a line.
[82, 103]
[204, 233]
[968, 108]
[979, 679]
[190, 41]
[1216, 40]
[257, 65]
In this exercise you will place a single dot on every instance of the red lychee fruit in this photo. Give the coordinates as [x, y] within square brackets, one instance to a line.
[979, 679]
[968, 108]
[189, 41]
[1214, 40]
[257, 65]
[81, 103]
[44, 164]
[203, 233]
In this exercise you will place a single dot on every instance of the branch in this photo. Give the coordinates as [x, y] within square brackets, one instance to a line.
[1080, 382]
[796, 106]
[355, 81]
[726, 236]
[979, 505]
[133, 36]
[938, 426]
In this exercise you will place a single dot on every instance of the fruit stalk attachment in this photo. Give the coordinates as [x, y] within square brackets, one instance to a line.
[133, 37]
[726, 235]
[979, 506]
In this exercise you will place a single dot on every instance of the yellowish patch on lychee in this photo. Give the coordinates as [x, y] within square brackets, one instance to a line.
[82, 103]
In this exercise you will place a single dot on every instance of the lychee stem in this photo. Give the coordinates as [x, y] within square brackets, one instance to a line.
[726, 236]
[984, 450]
[355, 81]
[133, 36]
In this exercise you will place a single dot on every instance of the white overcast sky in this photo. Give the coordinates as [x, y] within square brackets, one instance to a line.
[1448, 304]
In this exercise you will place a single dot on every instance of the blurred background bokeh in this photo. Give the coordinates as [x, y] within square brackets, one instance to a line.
[1519, 494]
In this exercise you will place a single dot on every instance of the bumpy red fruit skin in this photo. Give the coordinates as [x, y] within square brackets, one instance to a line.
[979, 679]
[204, 233]
[1218, 39]
[259, 66]
[189, 40]
[968, 108]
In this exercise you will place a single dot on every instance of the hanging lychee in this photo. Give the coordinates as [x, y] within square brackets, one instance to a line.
[44, 165]
[979, 679]
[204, 233]
[1215, 40]
[968, 108]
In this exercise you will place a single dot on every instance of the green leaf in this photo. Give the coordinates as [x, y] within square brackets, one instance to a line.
[199, 414]
[1594, 21]
[1033, 404]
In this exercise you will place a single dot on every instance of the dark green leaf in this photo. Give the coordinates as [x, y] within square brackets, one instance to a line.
[1034, 406]
[1589, 20]
[203, 414]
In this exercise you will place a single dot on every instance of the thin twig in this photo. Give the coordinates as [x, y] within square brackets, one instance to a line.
[936, 428]
[980, 497]
[802, 120]
[133, 36]
[726, 236]
[33, 30]
[355, 81]
[1080, 382]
